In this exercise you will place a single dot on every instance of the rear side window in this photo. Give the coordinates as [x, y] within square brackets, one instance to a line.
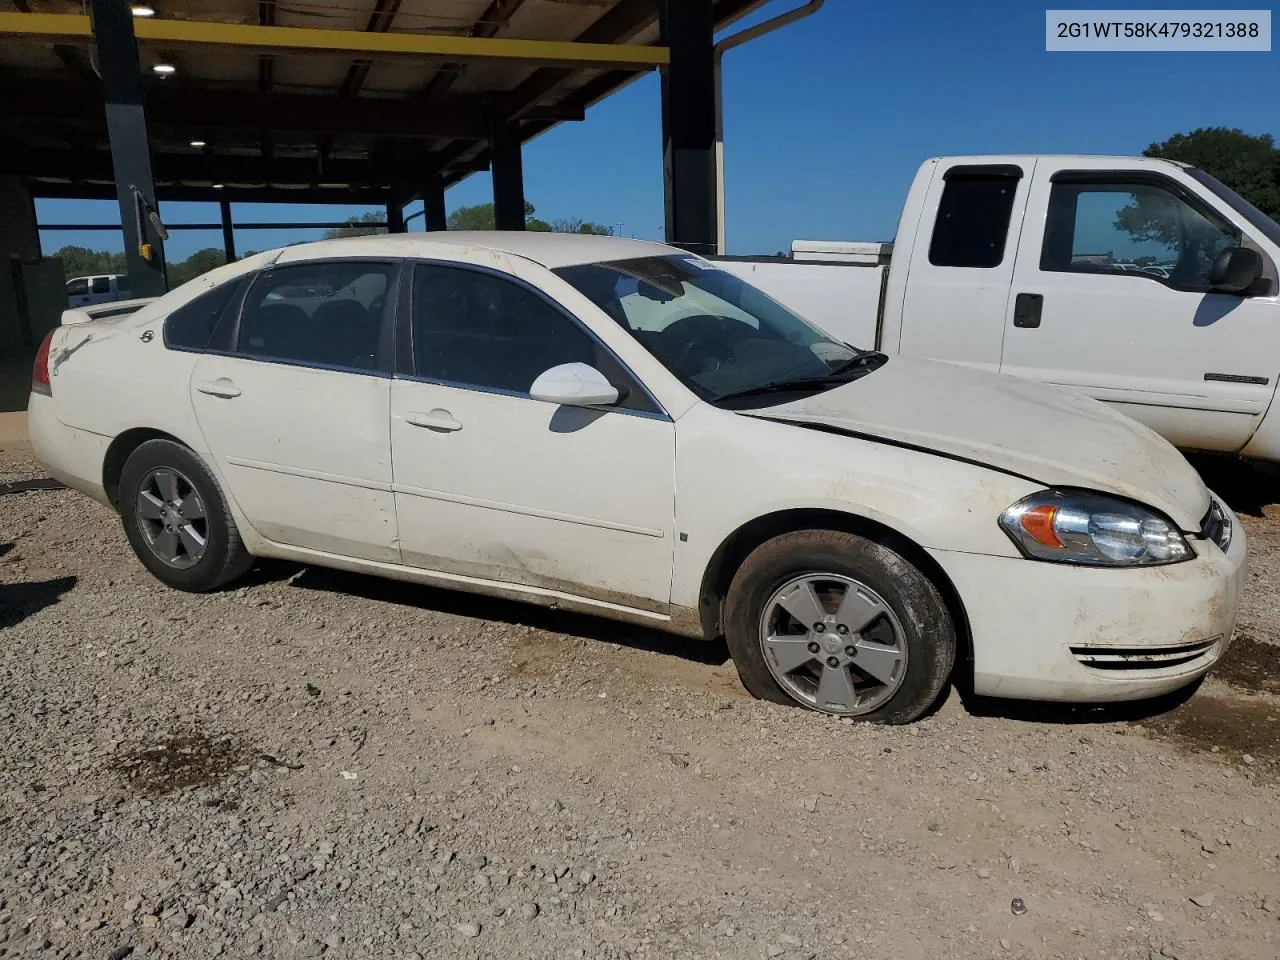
[321, 314]
[973, 217]
[191, 326]
[101, 284]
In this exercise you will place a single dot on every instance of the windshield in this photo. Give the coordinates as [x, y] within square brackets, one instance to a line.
[1269, 228]
[721, 336]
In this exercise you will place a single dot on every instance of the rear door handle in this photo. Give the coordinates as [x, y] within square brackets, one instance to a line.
[1027, 308]
[222, 387]
[440, 420]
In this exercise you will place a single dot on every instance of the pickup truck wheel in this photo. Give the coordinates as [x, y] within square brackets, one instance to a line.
[840, 624]
[177, 519]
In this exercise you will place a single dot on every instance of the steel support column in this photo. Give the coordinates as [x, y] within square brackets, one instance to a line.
[689, 124]
[228, 231]
[433, 203]
[130, 149]
[395, 216]
[508, 177]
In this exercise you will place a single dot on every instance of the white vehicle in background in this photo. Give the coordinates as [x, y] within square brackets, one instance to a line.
[104, 288]
[620, 428]
[1013, 264]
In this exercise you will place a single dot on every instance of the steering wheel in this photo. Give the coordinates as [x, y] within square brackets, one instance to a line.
[704, 333]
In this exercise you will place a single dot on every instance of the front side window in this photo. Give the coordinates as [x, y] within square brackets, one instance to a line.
[973, 218]
[101, 284]
[1269, 228]
[719, 335]
[78, 287]
[324, 314]
[191, 326]
[1142, 229]
[475, 329]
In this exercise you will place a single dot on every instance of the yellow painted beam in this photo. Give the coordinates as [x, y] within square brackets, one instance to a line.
[192, 33]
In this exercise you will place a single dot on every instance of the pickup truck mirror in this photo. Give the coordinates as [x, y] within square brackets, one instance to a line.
[1235, 270]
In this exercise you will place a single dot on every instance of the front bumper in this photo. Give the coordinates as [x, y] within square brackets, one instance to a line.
[1046, 631]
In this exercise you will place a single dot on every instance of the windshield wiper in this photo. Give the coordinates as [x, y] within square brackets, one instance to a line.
[839, 375]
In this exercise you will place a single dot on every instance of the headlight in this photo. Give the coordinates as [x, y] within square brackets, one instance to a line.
[1094, 530]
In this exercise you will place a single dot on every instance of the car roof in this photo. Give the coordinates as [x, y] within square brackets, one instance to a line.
[552, 250]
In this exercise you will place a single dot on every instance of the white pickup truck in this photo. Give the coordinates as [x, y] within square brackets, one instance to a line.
[1142, 282]
[104, 288]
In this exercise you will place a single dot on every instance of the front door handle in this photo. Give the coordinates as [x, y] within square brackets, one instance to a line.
[222, 387]
[437, 419]
[1027, 308]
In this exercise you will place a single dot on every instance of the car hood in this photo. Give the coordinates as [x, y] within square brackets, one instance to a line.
[1040, 432]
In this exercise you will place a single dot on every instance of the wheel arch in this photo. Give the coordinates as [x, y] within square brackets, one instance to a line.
[735, 549]
[120, 449]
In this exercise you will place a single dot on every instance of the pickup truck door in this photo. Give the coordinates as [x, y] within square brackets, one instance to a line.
[961, 266]
[1111, 299]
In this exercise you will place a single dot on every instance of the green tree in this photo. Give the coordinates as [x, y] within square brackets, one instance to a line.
[481, 217]
[202, 261]
[578, 225]
[1249, 165]
[83, 262]
[365, 225]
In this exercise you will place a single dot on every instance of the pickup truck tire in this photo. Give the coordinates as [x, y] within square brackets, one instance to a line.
[177, 519]
[841, 624]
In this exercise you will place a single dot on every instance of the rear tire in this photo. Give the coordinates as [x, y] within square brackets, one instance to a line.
[841, 624]
[177, 519]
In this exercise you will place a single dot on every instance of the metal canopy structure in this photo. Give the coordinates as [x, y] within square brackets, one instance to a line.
[352, 101]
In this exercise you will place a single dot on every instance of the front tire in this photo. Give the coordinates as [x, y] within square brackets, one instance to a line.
[177, 519]
[840, 624]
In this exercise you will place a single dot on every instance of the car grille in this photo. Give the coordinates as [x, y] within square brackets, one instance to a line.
[1113, 659]
[1216, 526]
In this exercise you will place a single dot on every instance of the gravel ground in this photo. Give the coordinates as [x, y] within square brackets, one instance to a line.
[318, 763]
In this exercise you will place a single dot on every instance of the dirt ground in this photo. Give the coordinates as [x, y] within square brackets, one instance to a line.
[317, 763]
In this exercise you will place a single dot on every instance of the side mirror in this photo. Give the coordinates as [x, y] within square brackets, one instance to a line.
[1235, 270]
[574, 385]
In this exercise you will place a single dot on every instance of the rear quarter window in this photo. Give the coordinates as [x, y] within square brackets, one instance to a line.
[973, 217]
[191, 326]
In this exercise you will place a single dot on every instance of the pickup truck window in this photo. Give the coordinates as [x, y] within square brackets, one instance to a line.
[1140, 229]
[718, 334]
[1270, 229]
[101, 284]
[973, 217]
[78, 287]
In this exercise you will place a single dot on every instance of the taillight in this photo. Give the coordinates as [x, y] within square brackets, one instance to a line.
[40, 370]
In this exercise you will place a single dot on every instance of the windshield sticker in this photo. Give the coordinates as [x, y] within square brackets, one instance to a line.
[697, 264]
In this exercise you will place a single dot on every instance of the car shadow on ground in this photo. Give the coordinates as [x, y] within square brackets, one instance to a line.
[1052, 712]
[21, 600]
[503, 611]
[1246, 487]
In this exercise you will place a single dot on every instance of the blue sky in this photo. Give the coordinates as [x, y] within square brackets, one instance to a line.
[827, 120]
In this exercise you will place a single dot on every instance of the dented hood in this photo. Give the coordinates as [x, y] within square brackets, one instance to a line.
[1039, 432]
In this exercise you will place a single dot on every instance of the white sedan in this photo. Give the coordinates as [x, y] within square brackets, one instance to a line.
[622, 428]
